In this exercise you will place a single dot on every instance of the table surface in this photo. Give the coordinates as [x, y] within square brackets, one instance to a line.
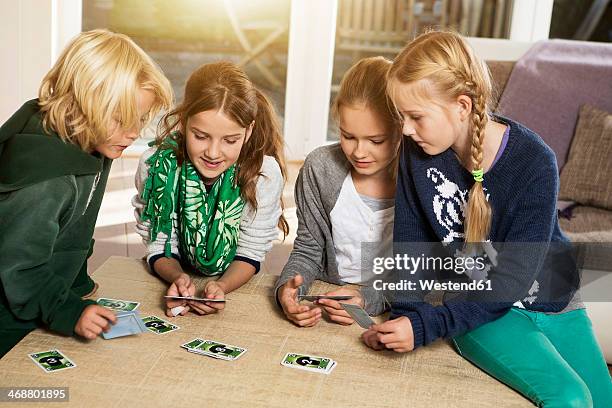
[153, 370]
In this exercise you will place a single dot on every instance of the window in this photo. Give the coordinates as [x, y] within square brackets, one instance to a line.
[181, 35]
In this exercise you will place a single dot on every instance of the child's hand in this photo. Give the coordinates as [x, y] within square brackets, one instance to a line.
[370, 338]
[212, 290]
[395, 334]
[334, 309]
[301, 315]
[182, 286]
[93, 321]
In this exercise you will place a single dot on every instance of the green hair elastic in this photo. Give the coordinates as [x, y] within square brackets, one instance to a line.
[478, 175]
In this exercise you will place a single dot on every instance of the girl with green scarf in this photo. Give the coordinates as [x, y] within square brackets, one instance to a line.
[209, 191]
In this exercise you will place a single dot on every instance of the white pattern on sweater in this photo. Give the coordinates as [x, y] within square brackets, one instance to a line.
[258, 229]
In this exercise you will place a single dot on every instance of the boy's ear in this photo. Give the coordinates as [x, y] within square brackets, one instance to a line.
[464, 106]
[249, 131]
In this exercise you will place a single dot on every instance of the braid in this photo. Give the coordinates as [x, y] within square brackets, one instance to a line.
[478, 214]
[479, 122]
[448, 63]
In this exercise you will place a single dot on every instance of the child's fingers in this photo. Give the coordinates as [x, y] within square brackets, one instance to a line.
[107, 314]
[215, 305]
[369, 338]
[202, 308]
[308, 314]
[174, 303]
[98, 321]
[172, 290]
[385, 327]
[184, 290]
[388, 338]
[330, 303]
[395, 345]
[308, 322]
[88, 334]
[341, 319]
[94, 328]
[293, 307]
[295, 282]
[185, 310]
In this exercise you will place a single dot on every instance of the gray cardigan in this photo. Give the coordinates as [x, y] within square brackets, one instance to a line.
[316, 191]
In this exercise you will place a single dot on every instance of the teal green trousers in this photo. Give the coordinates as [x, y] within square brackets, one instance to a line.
[554, 360]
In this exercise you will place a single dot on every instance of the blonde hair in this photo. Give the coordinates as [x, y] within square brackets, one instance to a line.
[94, 82]
[225, 86]
[365, 83]
[448, 63]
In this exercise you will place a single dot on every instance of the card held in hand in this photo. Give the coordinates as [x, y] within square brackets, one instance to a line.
[358, 314]
[312, 298]
[128, 323]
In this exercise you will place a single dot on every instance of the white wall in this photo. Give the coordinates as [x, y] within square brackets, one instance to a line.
[32, 33]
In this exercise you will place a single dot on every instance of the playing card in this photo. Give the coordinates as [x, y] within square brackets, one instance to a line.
[52, 360]
[128, 323]
[217, 349]
[158, 326]
[197, 299]
[312, 298]
[307, 362]
[358, 314]
[117, 304]
[192, 344]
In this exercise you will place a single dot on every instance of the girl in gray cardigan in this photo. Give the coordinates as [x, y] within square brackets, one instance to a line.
[344, 196]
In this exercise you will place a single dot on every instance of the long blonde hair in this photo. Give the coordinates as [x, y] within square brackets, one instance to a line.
[449, 64]
[94, 82]
[224, 86]
[365, 83]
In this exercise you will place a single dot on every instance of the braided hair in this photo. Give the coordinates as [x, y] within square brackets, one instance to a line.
[446, 61]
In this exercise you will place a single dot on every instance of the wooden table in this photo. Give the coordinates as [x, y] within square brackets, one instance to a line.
[153, 371]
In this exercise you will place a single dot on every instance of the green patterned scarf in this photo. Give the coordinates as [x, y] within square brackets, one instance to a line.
[208, 222]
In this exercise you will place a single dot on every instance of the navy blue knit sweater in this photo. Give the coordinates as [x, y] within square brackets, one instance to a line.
[521, 187]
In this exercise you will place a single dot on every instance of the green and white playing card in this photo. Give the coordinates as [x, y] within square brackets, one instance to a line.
[192, 344]
[309, 363]
[52, 360]
[158, 326]
[215, 349]
[118, 304]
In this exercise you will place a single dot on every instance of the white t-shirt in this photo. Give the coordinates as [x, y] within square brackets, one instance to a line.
[353, 223]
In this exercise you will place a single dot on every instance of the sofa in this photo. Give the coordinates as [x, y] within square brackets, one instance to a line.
[586, 225]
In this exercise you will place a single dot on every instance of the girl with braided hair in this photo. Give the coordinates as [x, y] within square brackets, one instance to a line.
[470, 179]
